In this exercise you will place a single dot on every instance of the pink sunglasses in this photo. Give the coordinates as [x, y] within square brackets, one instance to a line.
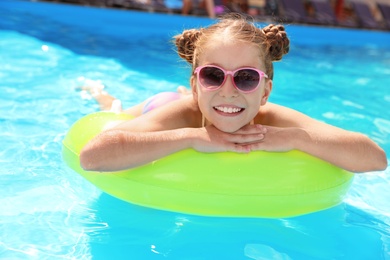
[245, 79]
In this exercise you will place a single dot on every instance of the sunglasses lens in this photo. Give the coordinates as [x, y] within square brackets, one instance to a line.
[211, 77]
[246, 79]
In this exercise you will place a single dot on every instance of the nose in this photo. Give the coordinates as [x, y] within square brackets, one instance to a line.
[228, 90]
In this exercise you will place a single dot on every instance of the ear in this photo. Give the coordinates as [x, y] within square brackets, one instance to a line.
[267, 91]
[193, 88]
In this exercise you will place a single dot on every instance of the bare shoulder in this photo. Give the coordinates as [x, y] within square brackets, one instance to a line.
[177, 114]
[277, 115]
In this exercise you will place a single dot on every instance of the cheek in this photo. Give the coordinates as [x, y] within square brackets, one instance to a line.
[200, 98]
[256, 104]
[204, 101]
[256, 101]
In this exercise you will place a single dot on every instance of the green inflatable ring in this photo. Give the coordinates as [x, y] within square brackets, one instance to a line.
[258, 184]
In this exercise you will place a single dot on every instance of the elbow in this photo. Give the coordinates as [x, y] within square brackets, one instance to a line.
[87, 161]
[92, 154]
[102, 153]
[376, 160]
[379, 163]
[371, 156]
[382, 161]
[379, 159]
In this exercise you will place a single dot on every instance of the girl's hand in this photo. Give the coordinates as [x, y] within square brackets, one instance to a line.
[278, 139]
[249, 138]
[210, 139]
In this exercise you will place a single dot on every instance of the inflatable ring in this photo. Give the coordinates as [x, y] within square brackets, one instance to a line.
[258, 184]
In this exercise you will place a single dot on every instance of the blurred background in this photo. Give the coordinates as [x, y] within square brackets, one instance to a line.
[364, 14]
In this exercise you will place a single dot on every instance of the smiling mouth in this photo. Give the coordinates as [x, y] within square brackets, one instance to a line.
[229, 110]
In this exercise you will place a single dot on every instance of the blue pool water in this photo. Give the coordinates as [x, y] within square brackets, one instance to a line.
[49, 212]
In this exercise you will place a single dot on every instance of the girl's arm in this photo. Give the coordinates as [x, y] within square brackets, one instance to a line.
[159, 133]
[291, 129]
[138, 141]
[117, 149]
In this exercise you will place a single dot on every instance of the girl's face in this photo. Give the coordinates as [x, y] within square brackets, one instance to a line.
[227, 108]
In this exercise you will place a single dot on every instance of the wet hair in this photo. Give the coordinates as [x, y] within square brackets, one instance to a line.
[272, 40]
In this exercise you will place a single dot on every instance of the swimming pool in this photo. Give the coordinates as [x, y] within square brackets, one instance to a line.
[49, 212]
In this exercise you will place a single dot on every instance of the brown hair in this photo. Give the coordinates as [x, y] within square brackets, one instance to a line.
[272, 39]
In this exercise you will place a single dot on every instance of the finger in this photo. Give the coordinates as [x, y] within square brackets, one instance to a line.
[259, 146]
[238, 148]
[245, 138]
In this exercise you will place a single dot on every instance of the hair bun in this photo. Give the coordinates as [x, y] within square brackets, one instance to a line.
[185, 43]
[277, 40]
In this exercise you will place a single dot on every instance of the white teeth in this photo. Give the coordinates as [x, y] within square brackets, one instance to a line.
[229, 110]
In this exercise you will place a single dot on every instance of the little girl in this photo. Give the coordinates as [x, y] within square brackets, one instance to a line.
[227, 109]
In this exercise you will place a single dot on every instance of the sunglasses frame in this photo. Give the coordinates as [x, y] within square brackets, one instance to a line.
[231, 73]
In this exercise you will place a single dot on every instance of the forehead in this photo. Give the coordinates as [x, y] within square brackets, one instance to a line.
[230, 54]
